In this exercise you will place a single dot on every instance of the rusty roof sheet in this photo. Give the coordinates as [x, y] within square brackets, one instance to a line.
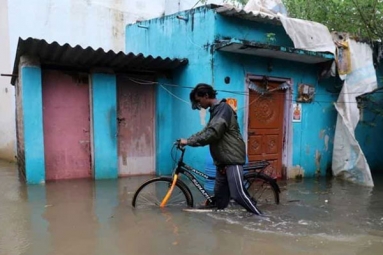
[229, 10]
[86, 59]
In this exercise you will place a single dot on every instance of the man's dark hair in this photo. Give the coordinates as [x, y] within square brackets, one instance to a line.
[201, 90]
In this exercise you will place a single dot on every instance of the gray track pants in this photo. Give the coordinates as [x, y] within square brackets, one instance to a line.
[230, 185]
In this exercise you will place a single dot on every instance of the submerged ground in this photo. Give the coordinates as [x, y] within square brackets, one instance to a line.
[316, 216]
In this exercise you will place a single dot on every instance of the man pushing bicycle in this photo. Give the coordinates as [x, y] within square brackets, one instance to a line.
[227, 148]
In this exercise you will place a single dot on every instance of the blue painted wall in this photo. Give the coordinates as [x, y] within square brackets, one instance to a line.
[312, 138]
[369, 131]
[104, 112]
[231, 27]
[32, 111]
[171, 37]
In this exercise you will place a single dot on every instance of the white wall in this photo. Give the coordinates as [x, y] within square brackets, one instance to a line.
[173, 6]
[7, 102]
[95, 23]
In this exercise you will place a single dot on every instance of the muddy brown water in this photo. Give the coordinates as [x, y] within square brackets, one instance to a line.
[316, 216]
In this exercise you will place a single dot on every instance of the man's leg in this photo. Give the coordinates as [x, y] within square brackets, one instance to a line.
[221, 190]
[237, 191]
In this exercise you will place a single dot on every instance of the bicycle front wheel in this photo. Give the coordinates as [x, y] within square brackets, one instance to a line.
[262, 188]
[151, 193]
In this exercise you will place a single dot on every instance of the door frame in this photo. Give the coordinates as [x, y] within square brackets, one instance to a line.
[287, 136]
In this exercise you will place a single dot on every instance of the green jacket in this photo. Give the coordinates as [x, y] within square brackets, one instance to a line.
[223, 136]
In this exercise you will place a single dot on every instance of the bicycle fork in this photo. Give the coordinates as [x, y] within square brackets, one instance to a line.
[169, 193]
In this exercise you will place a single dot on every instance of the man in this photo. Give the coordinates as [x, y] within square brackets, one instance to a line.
[227, 147]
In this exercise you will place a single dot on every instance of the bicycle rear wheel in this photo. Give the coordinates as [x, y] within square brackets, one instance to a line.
[151, 193]
[262, 188]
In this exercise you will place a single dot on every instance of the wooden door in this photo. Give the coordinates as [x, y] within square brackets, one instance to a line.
[265, 129]
[136, 131]
[66, 114]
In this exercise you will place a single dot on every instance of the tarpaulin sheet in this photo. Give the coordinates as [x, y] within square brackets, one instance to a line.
[348, 159]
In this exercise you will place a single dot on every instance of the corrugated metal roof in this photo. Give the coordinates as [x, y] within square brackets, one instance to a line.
[273, 51]
[89, 58]
[229, 10]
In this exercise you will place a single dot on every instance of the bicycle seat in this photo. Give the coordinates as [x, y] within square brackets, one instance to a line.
[256, 165]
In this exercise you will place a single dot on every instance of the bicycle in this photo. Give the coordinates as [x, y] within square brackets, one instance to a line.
[172, 191]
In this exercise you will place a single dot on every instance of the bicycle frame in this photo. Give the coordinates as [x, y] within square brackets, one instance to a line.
[190, 173]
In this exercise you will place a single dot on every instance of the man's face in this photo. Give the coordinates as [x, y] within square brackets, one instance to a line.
[203, 102]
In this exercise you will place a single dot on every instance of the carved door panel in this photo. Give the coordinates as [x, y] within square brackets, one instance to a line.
[265, 129]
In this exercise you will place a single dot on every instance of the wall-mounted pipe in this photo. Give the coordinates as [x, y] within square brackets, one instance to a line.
[182, 17]
[141, 26]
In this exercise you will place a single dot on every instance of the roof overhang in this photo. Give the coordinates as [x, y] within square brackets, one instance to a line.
[231, 11]
[78, 58]
[272, 51]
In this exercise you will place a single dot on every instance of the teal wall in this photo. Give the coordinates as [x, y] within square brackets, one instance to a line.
[312, 138]
[231, 27]
[104, 113]
[369, 131]
[175, 38]
[171, 37]
[32, 110]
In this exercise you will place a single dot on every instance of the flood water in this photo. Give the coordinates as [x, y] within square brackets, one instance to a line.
[316, 216]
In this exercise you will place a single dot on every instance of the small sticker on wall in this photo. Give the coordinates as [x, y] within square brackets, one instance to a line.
[297, 112]
[232, 102]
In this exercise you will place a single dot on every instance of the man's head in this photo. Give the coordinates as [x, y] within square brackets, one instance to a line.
[202, 96]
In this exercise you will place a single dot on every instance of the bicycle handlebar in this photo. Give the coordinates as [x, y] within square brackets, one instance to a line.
[179, 145]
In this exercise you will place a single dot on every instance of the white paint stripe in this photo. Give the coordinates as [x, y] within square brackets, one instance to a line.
[244, 194]
[240, 192]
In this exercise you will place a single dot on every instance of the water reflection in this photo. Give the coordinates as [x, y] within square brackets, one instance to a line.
[14, 223]
[85, 217]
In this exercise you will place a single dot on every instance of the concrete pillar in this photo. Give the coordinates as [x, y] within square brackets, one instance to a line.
[31, 119]
[104, 122]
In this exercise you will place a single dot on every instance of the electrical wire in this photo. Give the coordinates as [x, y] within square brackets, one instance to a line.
[146, 82]
[143, 82]
[173, 153]
[241, 93]
[182, 100]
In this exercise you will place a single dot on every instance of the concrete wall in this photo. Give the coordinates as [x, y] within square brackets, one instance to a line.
[104, 122]
[369, 131]
[231, 27]
[173, 6]
[172, 37]
[95, 23]
[31, 131]
[309, 151]
[311, 148]
[92, 23]
[7, 99]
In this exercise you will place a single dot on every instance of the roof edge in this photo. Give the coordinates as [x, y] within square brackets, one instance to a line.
[65, 54]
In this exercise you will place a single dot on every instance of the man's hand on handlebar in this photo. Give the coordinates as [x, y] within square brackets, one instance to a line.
[183, 142]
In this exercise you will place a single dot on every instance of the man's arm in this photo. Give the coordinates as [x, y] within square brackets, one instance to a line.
[214, 130]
